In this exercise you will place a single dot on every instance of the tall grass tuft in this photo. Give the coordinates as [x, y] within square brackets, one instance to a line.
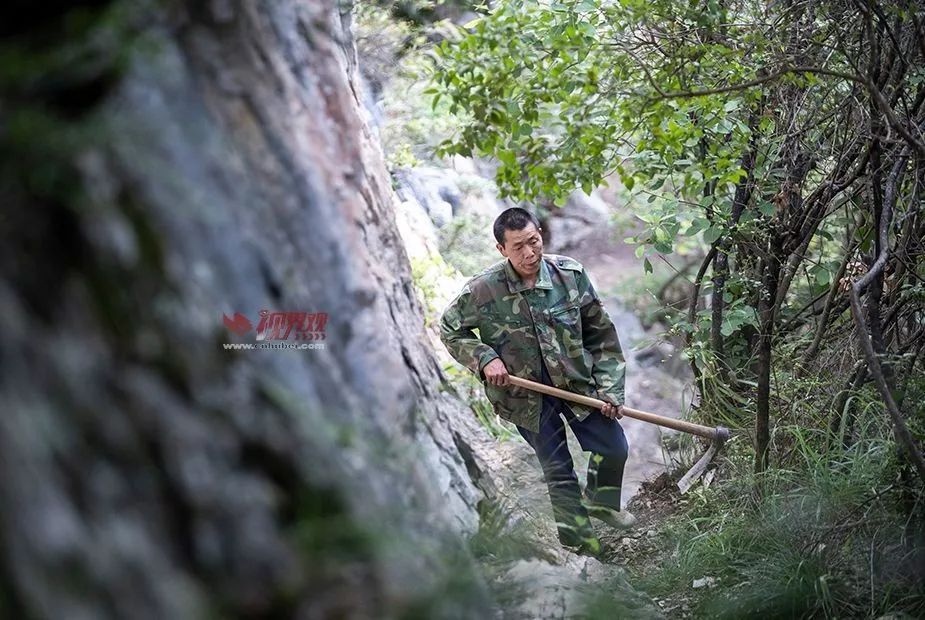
[834, 529]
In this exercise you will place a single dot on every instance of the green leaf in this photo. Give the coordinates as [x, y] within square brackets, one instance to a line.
[712, 234]
[821, 274]
[663, 247]
[697, 225]
[646, 265]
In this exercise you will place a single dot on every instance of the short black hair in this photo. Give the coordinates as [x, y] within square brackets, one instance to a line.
[514, 218]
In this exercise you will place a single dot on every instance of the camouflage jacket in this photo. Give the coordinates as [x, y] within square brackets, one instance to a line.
[560, 321]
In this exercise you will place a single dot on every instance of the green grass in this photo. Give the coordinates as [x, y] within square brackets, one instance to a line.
[829, 536]
[503, 538]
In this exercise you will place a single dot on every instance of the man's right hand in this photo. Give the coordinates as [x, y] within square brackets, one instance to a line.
[496, 372]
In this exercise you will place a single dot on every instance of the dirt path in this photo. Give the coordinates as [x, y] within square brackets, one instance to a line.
[610, 263]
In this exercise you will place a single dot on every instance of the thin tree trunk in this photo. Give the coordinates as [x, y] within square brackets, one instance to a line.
[869, 343]
[835, 287]
[767, 306]
[721, 262]
[692, 308]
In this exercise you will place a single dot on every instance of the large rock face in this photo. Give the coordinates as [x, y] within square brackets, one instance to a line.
[145, 471]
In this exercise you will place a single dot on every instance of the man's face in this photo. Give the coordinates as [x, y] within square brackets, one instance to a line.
[524, 248]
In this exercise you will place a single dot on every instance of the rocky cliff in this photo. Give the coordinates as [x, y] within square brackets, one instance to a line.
[222, 166]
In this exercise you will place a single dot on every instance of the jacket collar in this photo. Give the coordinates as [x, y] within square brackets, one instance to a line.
[516, 285]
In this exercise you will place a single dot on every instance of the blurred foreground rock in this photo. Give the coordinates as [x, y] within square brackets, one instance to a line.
[148, 472]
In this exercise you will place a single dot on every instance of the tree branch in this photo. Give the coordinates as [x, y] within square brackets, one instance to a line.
[901, 430]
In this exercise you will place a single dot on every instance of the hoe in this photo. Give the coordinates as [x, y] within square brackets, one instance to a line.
[717, 435]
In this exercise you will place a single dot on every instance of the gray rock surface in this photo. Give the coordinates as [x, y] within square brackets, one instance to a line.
[148, 472]
[445, 193]
[579, 218]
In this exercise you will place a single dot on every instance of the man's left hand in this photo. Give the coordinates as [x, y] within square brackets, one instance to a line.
[612, 410]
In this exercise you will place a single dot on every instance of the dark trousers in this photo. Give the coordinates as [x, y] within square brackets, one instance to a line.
[597, 434]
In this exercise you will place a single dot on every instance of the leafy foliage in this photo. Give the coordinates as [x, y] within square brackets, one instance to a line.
[730, 123]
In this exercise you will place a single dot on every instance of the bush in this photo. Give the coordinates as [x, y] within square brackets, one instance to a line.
[828, 533]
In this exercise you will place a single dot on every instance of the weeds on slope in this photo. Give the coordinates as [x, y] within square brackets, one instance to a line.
[834, 529]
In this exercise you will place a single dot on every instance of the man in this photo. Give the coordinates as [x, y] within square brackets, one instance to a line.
[538, 317]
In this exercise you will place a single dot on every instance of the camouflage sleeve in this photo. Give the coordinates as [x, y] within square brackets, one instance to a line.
[599, 337]
[456, 327]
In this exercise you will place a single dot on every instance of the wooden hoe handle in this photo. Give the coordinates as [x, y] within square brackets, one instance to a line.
[718, 433]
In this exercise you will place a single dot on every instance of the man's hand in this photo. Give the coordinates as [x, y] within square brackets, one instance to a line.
[612, 410]
[496, 372]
